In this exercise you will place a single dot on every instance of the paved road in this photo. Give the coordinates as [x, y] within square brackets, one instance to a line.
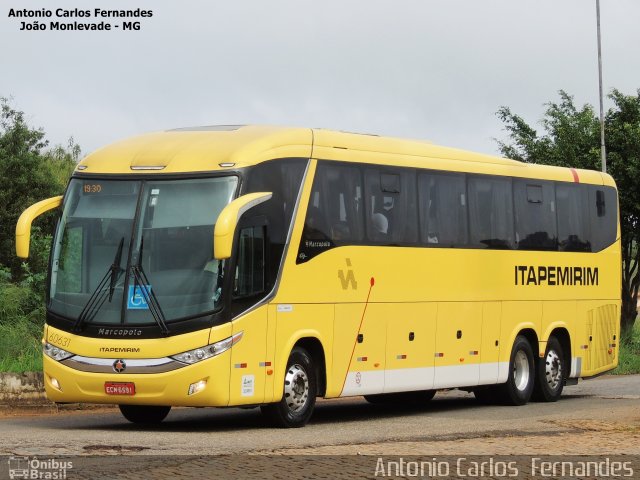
[339, 426]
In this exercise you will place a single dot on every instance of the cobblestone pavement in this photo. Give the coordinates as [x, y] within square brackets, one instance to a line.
[343, 440]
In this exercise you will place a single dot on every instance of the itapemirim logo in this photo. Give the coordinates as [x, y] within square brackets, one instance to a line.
[35, 468]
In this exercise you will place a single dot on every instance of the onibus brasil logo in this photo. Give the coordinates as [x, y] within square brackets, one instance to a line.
[35, 468]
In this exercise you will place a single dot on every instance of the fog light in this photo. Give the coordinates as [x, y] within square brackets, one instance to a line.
[196, 387]
[55, 384]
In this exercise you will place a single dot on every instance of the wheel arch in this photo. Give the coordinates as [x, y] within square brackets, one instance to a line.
[310, 341]
[564, 338]
[527, 330]
[314, 347]
[531, 335]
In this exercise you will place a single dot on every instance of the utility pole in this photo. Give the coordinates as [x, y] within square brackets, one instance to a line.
[603, 151]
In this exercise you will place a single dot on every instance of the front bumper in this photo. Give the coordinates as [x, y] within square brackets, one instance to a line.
[166, 388]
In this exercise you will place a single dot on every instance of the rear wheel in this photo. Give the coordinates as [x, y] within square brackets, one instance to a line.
[144, 414]
[519, 386]
[401, 398]
[551, 373]
[299, 393]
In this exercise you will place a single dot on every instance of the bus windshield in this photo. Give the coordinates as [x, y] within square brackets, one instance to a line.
[111, 229]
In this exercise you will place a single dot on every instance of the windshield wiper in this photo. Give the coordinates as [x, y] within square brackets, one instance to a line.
[101, 293]
[142, 282]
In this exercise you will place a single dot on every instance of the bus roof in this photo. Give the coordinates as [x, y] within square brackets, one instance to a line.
[224, 147]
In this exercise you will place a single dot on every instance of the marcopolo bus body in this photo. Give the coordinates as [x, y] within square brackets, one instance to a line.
[230, 266]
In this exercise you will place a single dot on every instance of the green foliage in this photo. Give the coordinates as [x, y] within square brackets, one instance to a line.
[629, 361]
[28, 173]
[21, 348]
[21, 319]
[571, 138]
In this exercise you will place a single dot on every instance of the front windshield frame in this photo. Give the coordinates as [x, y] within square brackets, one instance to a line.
[132, 242]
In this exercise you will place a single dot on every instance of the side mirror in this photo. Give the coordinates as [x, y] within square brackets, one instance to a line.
[228, 220]
[23, 227]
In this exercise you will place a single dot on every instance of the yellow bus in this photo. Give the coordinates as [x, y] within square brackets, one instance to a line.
[261, 266]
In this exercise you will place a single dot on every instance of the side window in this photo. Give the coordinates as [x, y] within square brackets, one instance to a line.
[443, 209]
[69, 265]
[603, 216]
[490, 212]
[335, 210]
[573, 217]
[249, 274]
[391, 212]
[535, 215]
[283, 177]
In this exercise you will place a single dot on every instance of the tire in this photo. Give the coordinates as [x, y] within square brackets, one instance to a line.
[402, 398]
[519, 386]
[144, 414]
[551, 373]
[299, 393]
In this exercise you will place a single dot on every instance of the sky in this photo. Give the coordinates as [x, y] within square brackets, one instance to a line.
[430, 69]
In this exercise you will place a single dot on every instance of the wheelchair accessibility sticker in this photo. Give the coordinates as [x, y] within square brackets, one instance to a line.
[136, 299]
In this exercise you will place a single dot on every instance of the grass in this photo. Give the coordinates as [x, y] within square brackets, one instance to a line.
[20, 347]
[629, 359]
[21, 320]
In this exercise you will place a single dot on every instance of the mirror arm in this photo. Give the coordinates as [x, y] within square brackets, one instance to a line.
[23, 227]
[228, 220]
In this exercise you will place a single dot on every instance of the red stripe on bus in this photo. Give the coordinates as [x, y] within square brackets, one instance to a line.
[575, 175]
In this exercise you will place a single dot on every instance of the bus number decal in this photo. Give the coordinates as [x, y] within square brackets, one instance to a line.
[59, 340]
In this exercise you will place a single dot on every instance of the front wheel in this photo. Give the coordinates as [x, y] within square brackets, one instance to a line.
[551, 373]
[144, 414]
[299, 393]
[519, 386]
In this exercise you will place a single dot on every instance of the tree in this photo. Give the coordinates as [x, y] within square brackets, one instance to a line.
[28, 173]
[571, 138]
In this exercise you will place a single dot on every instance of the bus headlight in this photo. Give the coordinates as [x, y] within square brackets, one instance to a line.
[56, 353]
[208, 351]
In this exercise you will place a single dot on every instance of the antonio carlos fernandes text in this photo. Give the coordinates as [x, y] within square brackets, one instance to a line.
[538, 468]
[79, 13]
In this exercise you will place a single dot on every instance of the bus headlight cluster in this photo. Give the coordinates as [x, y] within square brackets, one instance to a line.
[56, 353]
[208, 351]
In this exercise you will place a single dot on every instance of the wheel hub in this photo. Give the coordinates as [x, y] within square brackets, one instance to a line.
[553, 369]
[521, 370]
[296, 388]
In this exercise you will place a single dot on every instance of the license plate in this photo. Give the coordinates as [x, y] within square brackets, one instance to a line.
[120, 388]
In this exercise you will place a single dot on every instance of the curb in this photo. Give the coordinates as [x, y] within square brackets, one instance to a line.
[24, 393]
[22, 389]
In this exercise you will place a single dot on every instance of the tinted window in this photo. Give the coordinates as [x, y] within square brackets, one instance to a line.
[335, 210]
[283, 178]
[603, 216]
[443, 210]
[535, 215]
[573, 217]
[490, 212]
[391, 213]
[359, 204]
[249, 274]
